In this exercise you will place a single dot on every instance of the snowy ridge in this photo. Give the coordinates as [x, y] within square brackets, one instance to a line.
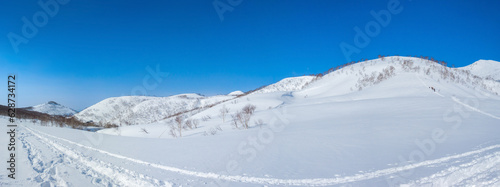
[409, 70]
[287, 84]
[484, 68]
[131, 110]
[53, 108]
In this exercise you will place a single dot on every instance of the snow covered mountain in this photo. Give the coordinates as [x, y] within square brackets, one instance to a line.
[485, 68]
[131, 110]
[236, 93]
[397, 77]
[53, 108]
[349, 81]
[388, 78]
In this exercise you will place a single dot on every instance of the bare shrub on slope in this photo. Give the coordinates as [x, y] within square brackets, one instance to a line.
[243, 117]
[375, 77]
[178, 121]
[195, 123]
[223, 113]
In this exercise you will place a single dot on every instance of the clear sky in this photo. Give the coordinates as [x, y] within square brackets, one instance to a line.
[86, 51]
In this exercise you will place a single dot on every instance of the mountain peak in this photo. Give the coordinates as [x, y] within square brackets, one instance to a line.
[53, 103]
[485, 68]
[236, 93]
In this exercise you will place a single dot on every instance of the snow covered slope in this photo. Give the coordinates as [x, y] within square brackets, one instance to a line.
[393, 77]
[287, 84]
[53, 108]
[131, 110]
[485, 68]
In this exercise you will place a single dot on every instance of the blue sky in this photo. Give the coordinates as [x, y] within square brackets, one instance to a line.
[91, 50]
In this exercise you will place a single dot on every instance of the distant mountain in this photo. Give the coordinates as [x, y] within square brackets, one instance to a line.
[236, 93]
[485, 69]
[52, 108]
[23, 113]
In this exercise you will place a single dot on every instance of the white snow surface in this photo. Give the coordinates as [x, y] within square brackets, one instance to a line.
[485, 68]
[358, 126]
[53, 108]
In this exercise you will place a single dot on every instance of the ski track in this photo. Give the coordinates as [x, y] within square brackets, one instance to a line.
[275, 181]
[474, 109]
[115, 176]
[482, 171]
[46, 168]
[456, 100]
